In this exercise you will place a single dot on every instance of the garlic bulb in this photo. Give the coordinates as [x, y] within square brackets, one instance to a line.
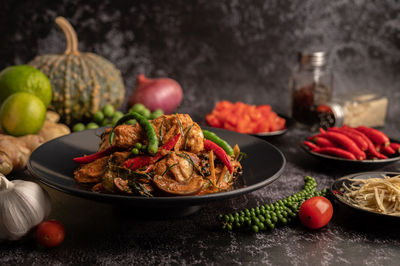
[23, 205]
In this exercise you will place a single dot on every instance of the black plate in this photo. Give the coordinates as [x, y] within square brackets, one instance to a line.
[353, 163]
[52, 164]
[289, 124]
[338, 185]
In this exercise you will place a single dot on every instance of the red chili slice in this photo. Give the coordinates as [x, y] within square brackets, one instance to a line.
[219, 152]
[371, 151]
[142, 161]
[311, 145]
[378, 137]
[138, 162]
[345, 143]
[395, 146]
[337, 152]
[361, 143]
[167, 146]
[93, 157]
[387, 150]
[323, 142]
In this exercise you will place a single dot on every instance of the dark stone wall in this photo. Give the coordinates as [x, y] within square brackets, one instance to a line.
[234, 50]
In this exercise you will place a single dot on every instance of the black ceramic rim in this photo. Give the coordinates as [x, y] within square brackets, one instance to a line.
[153, 201]
[338, 184]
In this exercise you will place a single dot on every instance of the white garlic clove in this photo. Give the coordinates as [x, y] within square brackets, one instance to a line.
[23, 205]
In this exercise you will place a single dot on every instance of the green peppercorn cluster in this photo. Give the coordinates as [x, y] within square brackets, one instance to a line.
[139, 147]
[269, 216]
[108, 117]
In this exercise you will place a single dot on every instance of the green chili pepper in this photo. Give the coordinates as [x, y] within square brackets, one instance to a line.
[152, 146]
[217, 140]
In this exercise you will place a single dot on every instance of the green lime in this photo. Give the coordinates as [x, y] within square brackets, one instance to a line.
[108, 110]
[156, 113]
[98, 117]
[78, 127]
[91, 125]
[24, 78]
[22, 113]
[137, 107]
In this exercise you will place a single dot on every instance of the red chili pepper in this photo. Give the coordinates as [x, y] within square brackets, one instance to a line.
[395, 146]
[361, 143]
[387, 150]
[142, 161]
[314, 136]
[219, 152]
[337, 152]
[346, 143]
[138, 162]
[378, 137]
[323, 142]
[167, 146]
[94, 156]
[371, 151]
[311, 145]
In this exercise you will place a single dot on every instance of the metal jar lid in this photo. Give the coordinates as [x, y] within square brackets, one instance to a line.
[315, 59]
[330, 115]
[338, 114]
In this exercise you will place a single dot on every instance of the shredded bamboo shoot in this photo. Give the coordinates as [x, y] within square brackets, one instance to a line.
[380, 195]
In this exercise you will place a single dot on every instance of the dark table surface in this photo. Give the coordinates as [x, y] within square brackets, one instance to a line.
[100, 234]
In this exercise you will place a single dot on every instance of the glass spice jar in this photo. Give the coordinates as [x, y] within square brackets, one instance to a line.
[311, 85]
[354, 109]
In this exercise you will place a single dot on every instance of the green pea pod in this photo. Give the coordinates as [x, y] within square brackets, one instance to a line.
[217, 140]
[152, 146]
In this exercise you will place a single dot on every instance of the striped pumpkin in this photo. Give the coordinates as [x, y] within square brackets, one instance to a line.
[82, 82]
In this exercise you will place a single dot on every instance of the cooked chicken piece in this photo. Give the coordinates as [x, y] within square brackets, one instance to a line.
[170, 128]
[171, 186]
[91, 172]
[172, 171]
[118, 158]
[122, 185]
[181, 169]
[125, 136]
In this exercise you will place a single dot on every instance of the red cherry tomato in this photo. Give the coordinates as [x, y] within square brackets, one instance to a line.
[50, 233]
[316, 212]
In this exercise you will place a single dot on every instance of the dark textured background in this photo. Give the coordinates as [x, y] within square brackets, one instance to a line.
[234, 50]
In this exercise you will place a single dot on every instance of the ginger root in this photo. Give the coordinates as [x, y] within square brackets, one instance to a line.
[15, 151]
[14, 154]
[51, 130]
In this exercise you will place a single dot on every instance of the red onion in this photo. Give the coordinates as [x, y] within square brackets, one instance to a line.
[160, 93]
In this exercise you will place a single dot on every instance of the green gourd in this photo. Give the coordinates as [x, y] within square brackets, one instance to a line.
[82, 82]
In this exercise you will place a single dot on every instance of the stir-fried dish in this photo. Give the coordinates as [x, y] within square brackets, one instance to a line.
[170, 155]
